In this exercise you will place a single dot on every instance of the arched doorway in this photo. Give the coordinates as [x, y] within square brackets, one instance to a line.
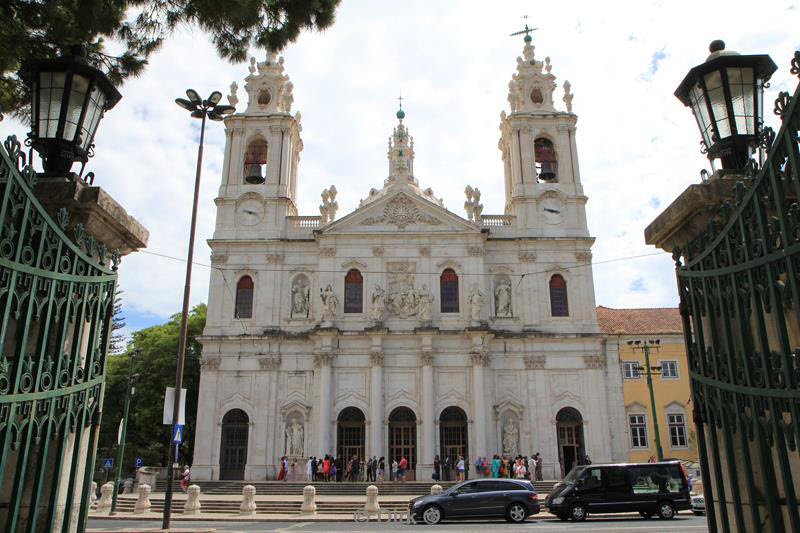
[403, 438]
[453, 438]
[350, 433]
[233, 444]
[569, 430]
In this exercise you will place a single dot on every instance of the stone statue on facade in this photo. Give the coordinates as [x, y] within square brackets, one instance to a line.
[510, 438]
[378, 304]
[294, 438]
[424, 301]
[329, 304]
[329, 206]
[568, 96]
[473, 205]
[502, 299]
[476, 302]
[300, 299]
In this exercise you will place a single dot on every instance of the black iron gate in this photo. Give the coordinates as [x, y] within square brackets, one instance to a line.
[56, 303]
[739, 284]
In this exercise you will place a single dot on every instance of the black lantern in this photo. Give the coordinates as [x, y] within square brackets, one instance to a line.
[68, 99]
[725, 94]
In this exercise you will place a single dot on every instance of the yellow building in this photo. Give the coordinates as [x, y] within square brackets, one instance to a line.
[670, 385]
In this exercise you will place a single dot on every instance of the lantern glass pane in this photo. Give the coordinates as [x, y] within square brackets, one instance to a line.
[741, 84]
[719, 107]
[77, 97]
[700, 108]
[94, 110]
[51, 93]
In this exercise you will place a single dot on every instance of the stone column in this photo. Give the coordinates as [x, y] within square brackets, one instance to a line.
[203, 466]
[323, 362]
[376, 406]
[428, 416]
[480, 359]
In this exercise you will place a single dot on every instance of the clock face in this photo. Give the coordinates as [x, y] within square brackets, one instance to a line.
[249, 212]
[552, 209]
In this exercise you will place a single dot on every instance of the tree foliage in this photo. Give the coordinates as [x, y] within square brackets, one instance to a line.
[47, 28]
[117, 323]
[156, 362]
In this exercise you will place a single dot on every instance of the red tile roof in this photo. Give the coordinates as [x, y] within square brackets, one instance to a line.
[662, 320]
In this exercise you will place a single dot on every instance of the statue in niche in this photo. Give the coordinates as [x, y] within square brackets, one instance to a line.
[424, 300]
[502, 299]
[476, 302]
[300, 298]
[329, 303]
[510, 438]
[294, 438]
[378, 304]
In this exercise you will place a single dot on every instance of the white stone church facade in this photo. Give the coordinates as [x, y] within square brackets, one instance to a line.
[403, 328]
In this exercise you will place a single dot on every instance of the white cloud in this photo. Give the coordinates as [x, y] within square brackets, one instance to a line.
[638, 146]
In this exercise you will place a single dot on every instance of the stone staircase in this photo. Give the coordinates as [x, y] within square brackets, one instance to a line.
[295, 488]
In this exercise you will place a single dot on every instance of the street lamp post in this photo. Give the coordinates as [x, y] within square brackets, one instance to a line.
[129, 391]
[201, 109]
[646, 346]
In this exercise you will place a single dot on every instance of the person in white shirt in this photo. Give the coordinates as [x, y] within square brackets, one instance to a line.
[394, 470]
[532, 468]
[460, 468]
[309, 473]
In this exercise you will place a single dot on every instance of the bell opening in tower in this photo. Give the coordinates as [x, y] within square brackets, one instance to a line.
[545, 156]
[255, 162]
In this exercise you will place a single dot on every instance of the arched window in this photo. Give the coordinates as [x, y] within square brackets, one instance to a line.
[244, 297]
[353, 292]
[559, 306]
[545, 156]
[255, 162]
[448, 285]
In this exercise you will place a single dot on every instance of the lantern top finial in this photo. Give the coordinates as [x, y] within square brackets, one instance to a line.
[716, 45]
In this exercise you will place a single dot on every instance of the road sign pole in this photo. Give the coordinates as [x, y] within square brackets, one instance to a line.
[121, 452]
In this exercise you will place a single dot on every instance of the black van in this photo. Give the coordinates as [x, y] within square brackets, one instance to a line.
[649, 488]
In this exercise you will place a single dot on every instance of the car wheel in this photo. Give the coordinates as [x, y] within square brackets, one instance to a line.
[517, 513]
[578, 512]
[432, 514]
[666, 510]
[646, 514]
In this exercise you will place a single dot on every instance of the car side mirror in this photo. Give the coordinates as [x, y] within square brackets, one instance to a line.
[453, 494]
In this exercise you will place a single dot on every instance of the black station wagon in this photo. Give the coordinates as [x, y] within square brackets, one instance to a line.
[512, 499]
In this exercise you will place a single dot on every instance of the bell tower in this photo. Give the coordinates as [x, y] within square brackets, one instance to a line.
[262, 151]
[540, 162]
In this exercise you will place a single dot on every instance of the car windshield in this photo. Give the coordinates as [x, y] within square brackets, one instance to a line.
[574, 474]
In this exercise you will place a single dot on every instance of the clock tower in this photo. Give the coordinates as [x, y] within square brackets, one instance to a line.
[540, 160]
[262, 151]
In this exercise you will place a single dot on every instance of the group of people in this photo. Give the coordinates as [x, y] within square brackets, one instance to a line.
[331, 468]
[519, 467]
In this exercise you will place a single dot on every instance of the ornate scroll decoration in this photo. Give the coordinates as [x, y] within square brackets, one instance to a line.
[594, 361]
[480, 357]
[476, 251]
[426, 358]
[583, 257]
[527, 257]
[327, 251]
[376, 358]
[209, 363]
[401, 211]
[323, 359]
[270, 363]
[273, 258]
[377, 251]
[535, 362]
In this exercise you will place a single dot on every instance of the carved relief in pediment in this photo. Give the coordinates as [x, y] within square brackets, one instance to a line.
[401, 211]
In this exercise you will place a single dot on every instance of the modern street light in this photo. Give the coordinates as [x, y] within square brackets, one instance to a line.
[646, 346]
[130, 390]
[726, 97]
[68, 99]
[201, 109]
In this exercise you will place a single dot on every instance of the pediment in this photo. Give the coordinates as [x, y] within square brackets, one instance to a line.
[400, 212]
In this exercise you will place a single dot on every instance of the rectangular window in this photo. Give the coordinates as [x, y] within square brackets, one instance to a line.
[638, 431]
[669, 370]
[677, 430]
[630, 370]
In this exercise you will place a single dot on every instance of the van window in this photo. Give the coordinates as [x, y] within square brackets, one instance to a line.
[574, 474]
[617, 479]
[655, 479]
[592, 478]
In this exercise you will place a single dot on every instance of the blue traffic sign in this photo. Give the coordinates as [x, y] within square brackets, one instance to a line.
[108, 464]
[178, 436]
[139, 462]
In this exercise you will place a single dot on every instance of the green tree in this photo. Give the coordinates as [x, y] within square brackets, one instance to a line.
[156, 362]
[46, 28]
[117, 323]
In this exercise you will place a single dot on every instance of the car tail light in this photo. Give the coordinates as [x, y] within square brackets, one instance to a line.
[534, 497]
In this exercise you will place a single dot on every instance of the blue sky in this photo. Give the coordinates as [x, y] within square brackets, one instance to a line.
[638, 146]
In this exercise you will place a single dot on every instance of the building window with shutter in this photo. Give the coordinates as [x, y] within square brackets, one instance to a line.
[677, 430]
[448, 285]
[244, 298]
[559, 306]
[353, 292]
